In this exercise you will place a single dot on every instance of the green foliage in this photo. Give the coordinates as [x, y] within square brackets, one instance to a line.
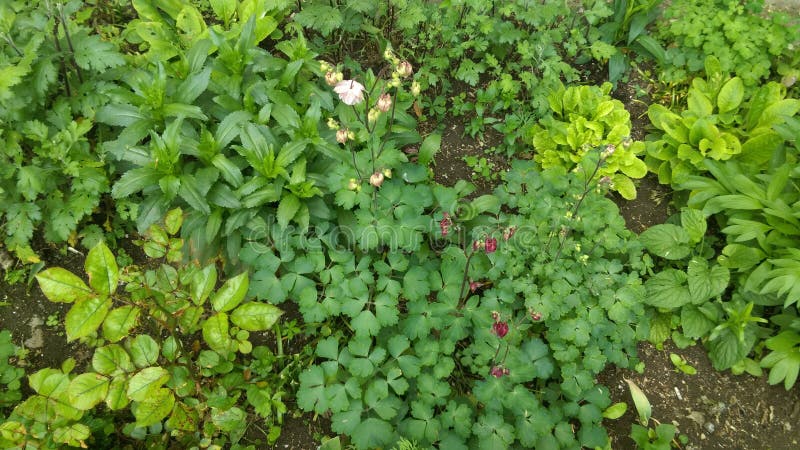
[718, 124]
[752, 43]
[199, 393]
[586, 117]
[55, 75]
[422, 345]
[10, 374]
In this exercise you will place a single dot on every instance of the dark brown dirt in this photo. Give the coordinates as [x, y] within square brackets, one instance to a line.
[715, 410]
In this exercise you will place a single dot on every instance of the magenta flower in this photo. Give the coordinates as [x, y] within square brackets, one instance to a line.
[491, 245]
[536, 316]
[475, 285]
[498, 371]
[351, 92]
[500, 329]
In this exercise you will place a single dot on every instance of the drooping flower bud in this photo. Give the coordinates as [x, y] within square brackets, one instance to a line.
[508, 233]
[491, 245]
[477, 245]
[353, 185]
[384, 102]
[373, 114]
[387, 173]
[500, 329]
[536, 316]
[495, 315]
[325, 66]
[497, 372]
[474, 286]
[342, 135]
[333, 78]
[415, 89]
[610, 149]
[404, 69]
[376, 179]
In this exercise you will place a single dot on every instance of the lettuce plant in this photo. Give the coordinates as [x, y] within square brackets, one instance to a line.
[581, 119]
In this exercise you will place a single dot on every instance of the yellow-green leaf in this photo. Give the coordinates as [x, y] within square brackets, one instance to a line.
[102, 269]
[62, 286]
[85, 316]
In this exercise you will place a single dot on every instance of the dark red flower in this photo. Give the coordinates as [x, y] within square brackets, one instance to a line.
[536, 316]
[491, 245]
[475, 285]
[445, 224]
[497, 372]
[500, 329]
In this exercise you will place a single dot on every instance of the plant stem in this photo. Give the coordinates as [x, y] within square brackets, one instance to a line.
[461, 295]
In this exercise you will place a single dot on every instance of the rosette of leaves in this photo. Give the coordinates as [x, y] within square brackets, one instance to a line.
[144, 366]
[55, 72]
[416, 357]
[583, 118]
[228, 130]
[718, 124]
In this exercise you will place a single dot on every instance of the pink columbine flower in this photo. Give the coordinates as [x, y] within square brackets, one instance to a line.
[475, 285]
[376, 179]
[384, 102]
[500, 329]
[351, 92]
[404, 69]
[341, 135]
[491, 245]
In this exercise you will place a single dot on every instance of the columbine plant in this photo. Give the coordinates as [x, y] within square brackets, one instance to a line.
[372, 121]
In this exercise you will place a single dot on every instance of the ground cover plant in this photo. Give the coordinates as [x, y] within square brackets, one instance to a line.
[277, 156]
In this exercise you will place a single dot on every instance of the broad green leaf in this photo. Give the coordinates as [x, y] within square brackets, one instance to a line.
[154, 408]
[190, 191]
[119, 322]
[287, 209]
[112, 360]
[87, 390]
[429, 147]
[373, 433]
[667, 241]
[694, 323]
[231, 293]
[668, 289]
[73, 435]
[693, 222]
[725, 350]
[731, 95]
[203, 283]
[85, 316]
[229, 419]
[62, 286]
[134, 181]
[173, 221]
[215, 333]
[615, 411]
[102, 269]
[641, 402]
[119, 115]
[254, 316]
[144, 350]
[705, 283]
[146, 382]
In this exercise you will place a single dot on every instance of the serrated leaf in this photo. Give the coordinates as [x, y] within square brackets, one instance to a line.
[705, 283]
[667, 241]
[87, 390]
[119, 322]
[668, 289]
[112, 360]
[155, 408]
[231, 294]
[287, 209]
[101, 266]
[85, 317]
[62, 286]
[253, 316]
[134, 181]
[203, 283]
[215, 333]
[144, 350]
[694, 222]
[146, 382]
